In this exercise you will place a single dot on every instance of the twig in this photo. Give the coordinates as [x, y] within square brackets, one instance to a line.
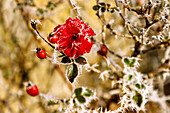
[93, 69]
[161, 44]
[162, 66]
[125, 21]
[64, 77]
[114, 53]
[34, 26]
[73, 6]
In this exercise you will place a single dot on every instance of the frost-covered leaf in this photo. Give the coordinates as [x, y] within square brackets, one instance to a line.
[132, 61]
[81, 60]
[129, 62]
[102, 3]
[138, 86]
[66, 60]
[112, 10]
[130, 77]
[166, 37]
[103, 9]
[88, 93]
[96, 7]
[78, 91]
[126, 60]
[72, 72]
[81, 99]
[40, 11]
[116, 8]
[51, 103]
[138, 98]
[51, 5]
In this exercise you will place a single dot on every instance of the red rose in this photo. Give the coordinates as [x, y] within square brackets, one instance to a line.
[73, 37]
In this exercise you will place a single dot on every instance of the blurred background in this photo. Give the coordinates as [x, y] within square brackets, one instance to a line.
[19, 64]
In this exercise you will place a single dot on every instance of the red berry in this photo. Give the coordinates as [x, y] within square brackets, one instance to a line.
[53, 38]
[139, 2]
[103, 50]
[41, 53]
[32, 89]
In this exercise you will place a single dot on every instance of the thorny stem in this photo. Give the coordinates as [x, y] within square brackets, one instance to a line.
[141, 11]
[50, 98]
[161, 44]
[136, 51]
[103, 35]
[137, 43]
[64, 77]
[94, 69]
[99, 72]
[44, 39]
[74, 9]
[114, 53]
[109, 27]
[120, 13]
[111, 66]
[124, 19]
[135, 27]
[162, 66]
[34, 26]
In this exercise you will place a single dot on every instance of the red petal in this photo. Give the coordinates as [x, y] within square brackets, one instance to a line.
[70, 52]
[56, 28]
[81, 50]
[64, 43]
[62, 31]
[90, 32]
[72, 25]
[87, 45]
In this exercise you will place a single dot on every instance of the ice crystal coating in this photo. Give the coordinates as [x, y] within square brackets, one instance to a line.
[73, 37]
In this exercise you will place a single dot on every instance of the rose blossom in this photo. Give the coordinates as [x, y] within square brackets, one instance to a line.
[73, 37]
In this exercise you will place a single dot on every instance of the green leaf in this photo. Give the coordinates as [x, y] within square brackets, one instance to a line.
[55, 111]
[72, 72]
[51, 5]
[132, 62]
[138, 86]
[41, 11]
[142, 86]
[48, 5]
[96, 7]
[166, 37]
[130, 77]
[112, 10]
[78, 91]
[81, 60]
[127, 62]
[103, 9]
[51, 103]
[116, 8]
[138, 98]
[88, 93]
[102, 3]
[66, 60]
[81, 99]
